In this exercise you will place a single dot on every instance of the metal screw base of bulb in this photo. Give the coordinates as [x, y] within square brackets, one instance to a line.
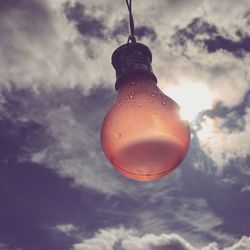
[130, 60]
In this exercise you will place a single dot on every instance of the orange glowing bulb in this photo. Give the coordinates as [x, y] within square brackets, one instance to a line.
[142, 135]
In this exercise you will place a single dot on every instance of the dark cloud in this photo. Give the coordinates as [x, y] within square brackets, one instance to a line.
[35, 5]
[122, 28]
[35, 199]
[175, 246]
[87, 25]
[226, 200]
[238, 48]
[34, 122]
[36, 15]
[213, 40]
[145, 31]
[196, 27]
[233, 117]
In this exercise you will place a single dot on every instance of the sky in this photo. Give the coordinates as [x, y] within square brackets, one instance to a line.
[57, 190]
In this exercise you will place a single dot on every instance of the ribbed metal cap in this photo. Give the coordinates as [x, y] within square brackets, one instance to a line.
[132, 59]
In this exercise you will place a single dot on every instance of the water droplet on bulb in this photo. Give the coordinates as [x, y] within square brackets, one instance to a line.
[151, 101]
[118, 135]
[163, 103]
[140, 105]
[131, 97]
[153, 95]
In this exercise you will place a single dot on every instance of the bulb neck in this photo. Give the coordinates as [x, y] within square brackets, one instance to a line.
[132, 60]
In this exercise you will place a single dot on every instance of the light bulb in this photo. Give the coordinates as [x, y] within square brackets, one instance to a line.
[142, 134]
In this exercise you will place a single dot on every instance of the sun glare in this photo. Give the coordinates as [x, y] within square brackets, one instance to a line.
[193, 99]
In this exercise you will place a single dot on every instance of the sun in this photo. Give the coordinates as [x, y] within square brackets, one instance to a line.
[192, 97]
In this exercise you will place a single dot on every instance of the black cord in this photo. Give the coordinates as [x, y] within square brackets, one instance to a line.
[131, 22]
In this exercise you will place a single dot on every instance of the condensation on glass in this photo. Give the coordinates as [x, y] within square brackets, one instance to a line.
[143, 135]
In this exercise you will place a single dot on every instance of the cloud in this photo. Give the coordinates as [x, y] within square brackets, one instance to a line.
[243, 244]
[211, 246]
[66, 42]
[208, 36]
[153, 242]
[60, 131]
[68, 229]
[57, 84]
[85, 24]
[222, 144]
[126, 239]
[237, 47]
[4, 246]
[41, 47]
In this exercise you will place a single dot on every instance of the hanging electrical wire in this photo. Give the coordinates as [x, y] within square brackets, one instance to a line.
[131, 22]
